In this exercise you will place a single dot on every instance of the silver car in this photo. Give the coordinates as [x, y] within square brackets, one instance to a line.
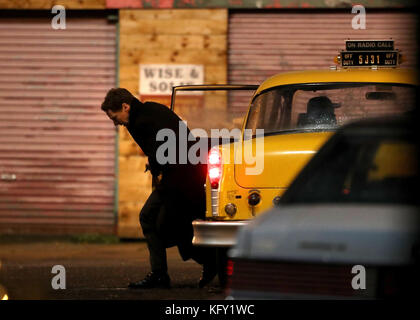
[348, 227]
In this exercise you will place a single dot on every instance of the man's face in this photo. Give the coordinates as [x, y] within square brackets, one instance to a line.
[120, 117]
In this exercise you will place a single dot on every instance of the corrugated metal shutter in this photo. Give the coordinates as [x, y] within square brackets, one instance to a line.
[57, 148]
[263, 44]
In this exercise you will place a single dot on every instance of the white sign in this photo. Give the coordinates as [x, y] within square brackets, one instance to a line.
[158, 79]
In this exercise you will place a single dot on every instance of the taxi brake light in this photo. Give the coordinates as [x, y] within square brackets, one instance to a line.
[214, 164]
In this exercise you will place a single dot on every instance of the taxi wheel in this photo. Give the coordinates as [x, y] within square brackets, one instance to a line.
[222, 259]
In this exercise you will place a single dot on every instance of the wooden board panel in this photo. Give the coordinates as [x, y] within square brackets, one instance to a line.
[129, 148]
[135, 41]
[128, 220]
[176, 26]
[162, 37]
[182, 14]
[206, 56]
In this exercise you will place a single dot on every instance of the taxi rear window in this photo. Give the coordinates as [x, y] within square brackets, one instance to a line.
[326, 106]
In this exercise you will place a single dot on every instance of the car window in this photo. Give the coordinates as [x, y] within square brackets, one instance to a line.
[393, 160]
[326, 106]
[360, 171]
[207, 109]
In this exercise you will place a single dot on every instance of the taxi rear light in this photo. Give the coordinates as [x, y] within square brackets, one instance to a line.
[229, 273]
[214, 173]
[229, 268]
[214, 164]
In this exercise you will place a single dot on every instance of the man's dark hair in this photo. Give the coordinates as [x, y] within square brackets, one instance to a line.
[115, 98]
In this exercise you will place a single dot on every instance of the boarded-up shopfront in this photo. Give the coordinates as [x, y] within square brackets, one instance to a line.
[262, 44]
[57, 148]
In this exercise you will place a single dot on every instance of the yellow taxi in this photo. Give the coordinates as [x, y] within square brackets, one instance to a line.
[290, 116]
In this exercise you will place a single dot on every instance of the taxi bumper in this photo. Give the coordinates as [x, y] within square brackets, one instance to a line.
[216, 233]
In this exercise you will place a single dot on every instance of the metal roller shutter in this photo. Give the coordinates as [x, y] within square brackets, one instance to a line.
[263, 44]
[57, 148]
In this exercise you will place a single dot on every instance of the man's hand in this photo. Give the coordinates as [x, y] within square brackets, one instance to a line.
[156, 181]
[147, 167]
[158, 178]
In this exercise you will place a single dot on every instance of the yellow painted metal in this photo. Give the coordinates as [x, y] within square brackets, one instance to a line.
[356, 75]
[394, 159]
[284, 155]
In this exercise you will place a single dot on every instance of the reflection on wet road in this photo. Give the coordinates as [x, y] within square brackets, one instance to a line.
[93, 271]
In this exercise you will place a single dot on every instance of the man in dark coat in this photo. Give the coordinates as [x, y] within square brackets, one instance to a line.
[178, 197]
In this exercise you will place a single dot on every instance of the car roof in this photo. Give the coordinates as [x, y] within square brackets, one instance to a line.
[359, 75]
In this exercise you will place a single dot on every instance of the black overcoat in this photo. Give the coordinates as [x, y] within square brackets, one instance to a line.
[182, 185]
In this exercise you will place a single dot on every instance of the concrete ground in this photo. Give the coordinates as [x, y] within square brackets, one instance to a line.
[94, 271]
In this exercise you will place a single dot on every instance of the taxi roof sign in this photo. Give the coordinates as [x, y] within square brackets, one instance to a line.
[369, 53]
[369, 45]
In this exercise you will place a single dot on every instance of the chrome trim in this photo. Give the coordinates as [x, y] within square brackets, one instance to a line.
[216, 233]
[215, 202]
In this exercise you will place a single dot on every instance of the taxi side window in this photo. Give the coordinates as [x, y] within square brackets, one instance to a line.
[362, 170]
[393, 160]
[271, 111]
[386, 170]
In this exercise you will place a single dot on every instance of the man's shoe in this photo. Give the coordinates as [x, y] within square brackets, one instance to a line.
[152, 280]
[207, 275]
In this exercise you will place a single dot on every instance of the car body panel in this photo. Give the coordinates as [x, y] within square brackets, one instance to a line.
[359, 75]
[283, 157]
[360, 234]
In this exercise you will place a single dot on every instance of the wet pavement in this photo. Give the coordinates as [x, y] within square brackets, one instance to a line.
[94, 271]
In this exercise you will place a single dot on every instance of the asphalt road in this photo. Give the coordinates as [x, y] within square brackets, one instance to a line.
[94, 271]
